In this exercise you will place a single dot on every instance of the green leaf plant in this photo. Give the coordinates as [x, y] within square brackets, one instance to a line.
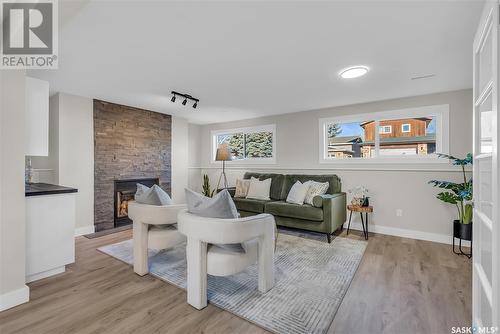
[459, 194]
[206, 186]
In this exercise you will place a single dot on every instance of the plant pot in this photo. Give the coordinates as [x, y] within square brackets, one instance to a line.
[462, 231]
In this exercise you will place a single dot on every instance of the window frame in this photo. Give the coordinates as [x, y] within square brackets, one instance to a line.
[440, 112]
[245, 130]
[384, 127]
[409, 127]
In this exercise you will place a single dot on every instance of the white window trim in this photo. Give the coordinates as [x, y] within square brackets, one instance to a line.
[440, 112]
[403, 125]
[384, 127]
[251, 129]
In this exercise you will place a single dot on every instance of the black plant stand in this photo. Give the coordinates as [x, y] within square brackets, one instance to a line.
[461, 252]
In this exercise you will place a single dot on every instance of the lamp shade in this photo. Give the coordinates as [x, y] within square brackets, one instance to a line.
[223, 153]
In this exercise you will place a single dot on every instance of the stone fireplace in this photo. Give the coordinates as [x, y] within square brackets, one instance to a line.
[130, 144]
[124, 193]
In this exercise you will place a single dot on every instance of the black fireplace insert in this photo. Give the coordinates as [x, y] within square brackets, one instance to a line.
[125, 190]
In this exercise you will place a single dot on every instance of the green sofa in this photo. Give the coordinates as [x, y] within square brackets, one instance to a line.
[326, 215]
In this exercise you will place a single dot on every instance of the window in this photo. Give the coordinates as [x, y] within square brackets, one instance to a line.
[406, 127]
[414, 134]
[255, 144]
[385, 128]
[344, 140]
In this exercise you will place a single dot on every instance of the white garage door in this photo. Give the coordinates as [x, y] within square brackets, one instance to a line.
[398, 151]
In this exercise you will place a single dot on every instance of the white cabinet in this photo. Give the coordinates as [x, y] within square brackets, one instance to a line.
[50, 229]
[37, 117]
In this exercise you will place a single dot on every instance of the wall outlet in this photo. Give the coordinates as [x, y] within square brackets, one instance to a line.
[399, 213]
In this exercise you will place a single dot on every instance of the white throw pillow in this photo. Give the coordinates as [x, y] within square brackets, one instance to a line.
[241, 188]
[298, 193]
[315, 189]
[259, 189]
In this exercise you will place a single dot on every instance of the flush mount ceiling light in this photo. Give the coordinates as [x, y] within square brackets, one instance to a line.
[186, 98]
[354, 72]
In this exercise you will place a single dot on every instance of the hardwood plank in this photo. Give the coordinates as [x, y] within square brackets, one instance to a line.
[401, 286]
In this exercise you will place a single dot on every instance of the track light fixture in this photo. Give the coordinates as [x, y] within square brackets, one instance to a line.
[186, 98]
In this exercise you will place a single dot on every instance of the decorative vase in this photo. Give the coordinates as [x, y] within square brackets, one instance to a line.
[365, 202]
[462, 232]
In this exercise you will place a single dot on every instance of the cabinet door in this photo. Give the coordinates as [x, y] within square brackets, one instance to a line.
[37, 117]
[50, 234]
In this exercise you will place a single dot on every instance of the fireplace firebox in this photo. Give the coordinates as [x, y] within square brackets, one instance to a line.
[124, 192]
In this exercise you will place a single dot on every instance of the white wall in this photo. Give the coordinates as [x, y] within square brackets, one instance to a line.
[194, 164]
[392, 187]
[13, 291]
[71, 154]
[180, 159]
[76, 155]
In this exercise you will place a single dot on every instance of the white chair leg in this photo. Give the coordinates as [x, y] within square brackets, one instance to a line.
[266, 264]
[140, 235]
[196, 253]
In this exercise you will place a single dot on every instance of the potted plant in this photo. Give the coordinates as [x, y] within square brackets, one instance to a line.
[359, 196]
[459, 194]
[206, 186]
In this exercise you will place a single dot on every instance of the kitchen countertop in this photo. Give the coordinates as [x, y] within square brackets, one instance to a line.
[38, 189]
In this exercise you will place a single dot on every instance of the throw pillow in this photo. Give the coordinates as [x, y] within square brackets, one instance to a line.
[242, 188]
[152, 196]
[259, 189]
[219, 206]
[297, 193]
[315, 189]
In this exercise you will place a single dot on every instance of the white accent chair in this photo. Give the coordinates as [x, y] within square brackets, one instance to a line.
[256, 233]
[149, 233]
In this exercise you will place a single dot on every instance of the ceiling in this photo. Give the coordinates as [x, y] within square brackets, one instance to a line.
[251, 59]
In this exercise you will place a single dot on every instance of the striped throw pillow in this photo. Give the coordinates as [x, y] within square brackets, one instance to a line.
[315, 189]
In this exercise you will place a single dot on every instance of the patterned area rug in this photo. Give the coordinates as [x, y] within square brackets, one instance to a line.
[312, 278]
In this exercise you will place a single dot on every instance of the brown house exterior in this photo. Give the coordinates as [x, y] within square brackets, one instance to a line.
[397, 137]
[400, 137]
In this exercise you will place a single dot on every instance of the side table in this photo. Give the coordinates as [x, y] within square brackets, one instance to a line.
[361, 209]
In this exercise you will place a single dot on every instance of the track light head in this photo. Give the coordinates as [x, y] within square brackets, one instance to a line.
[195, 105]
[173, 98]
[184, 102]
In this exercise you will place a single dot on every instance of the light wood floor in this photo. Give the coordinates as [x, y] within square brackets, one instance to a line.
[401, 286]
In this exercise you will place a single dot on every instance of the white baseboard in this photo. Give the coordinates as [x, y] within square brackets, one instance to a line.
[45, 274]
[14, 298]
[84, 230]
[404, 233]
